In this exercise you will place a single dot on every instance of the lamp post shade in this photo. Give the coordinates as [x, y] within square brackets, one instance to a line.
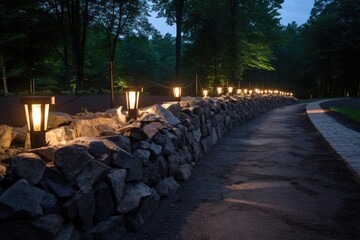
[37, 113]
[219, 91]
[238, 91]
[205, 93]
[132, 100]
[177, 93]
[230, 90]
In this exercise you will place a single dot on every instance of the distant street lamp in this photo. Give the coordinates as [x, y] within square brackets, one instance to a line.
[132, 101]
[238, 91]
[245, 91]
[230, 90]
[37, 113]
[177, 93]
[219, 91]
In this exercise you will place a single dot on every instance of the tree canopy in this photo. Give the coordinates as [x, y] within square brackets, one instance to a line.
[65, 46]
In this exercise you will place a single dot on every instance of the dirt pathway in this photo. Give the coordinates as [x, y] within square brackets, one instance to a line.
[272, 178]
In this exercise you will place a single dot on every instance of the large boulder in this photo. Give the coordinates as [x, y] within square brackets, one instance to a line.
[33, 201]
[28, 166]
[60, 135]
[57, 119]
[165, 115]
[81, 208]
[71, 160]
[134, 192]
[117, 182]
[166, 187]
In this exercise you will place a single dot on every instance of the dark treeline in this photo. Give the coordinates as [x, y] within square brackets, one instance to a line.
[77, 46]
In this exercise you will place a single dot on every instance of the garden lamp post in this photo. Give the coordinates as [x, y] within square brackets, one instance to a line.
[37, 113]
[230, 90]
[132, 101]
[238, 91]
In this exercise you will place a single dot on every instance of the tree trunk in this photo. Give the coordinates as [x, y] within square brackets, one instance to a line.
[3, 73]
[179, 15]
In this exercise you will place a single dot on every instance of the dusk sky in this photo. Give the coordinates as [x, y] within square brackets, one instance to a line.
[292, 10]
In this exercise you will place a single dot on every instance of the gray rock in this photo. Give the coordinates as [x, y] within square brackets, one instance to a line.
[123, 159]
[51, 223]
[155, 149]
[68, 232]
[116, 179]
[109, 229]
[59, 119]
[47, 153]
[71, 160]
[197, 134]
[31, 202]
[134, 192]
[174, 161]
[152, 129]
[142, 154]
[134, 220]
[121, 141]
[159, 139]
[151, 172]
[173, 107]
[93, 172]
[167, 187]
[60, 135]
[104, 204]
[28, 166]
[135, 173]
[54, 182]
[183, 172]
[6, 137]
[81, 209]
[165, 115]
[136, 134]
[82, 128]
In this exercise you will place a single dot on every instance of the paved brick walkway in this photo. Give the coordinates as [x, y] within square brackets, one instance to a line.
[345, 141]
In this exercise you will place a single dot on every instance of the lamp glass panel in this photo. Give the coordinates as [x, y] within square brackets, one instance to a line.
[177, 92]
[46, 115]
[27, 115]
[132, 100]
[219, 90]
[36, 116]
[230, 89]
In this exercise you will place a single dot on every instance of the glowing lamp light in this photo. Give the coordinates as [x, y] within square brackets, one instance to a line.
[245, 91]
[132, 101]
[219, 90]
[205, 93]
[250, 92]
[37, 114]
[238, 91]
[230, 90]
[177, 93]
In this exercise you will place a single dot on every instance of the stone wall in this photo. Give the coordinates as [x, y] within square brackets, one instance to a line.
[101, 177]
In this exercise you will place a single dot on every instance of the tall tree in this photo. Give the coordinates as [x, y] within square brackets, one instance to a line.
[124, 18]
[173, 11]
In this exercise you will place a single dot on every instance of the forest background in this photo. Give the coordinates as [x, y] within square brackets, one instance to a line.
[81, 46]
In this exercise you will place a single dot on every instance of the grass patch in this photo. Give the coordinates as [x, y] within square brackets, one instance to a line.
[347, 111]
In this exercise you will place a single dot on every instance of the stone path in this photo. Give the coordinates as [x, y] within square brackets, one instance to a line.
[345, 141]
[272, 178]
